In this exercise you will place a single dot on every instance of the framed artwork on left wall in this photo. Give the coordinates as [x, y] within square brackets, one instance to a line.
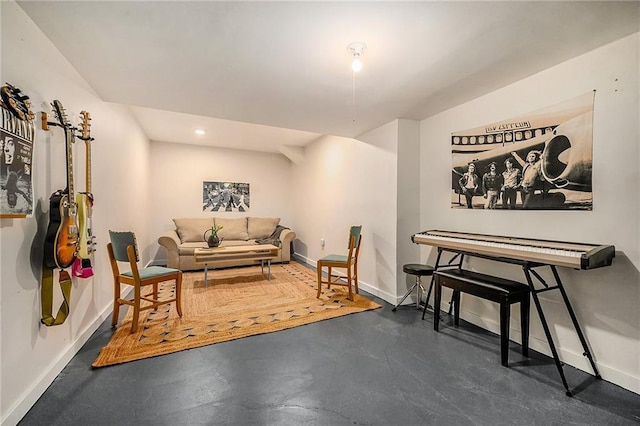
[225, 196]
[16, 156]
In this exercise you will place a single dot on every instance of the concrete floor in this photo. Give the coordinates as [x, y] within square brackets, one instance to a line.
[373, 368]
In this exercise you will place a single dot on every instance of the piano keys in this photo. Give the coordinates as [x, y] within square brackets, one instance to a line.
[558, 253]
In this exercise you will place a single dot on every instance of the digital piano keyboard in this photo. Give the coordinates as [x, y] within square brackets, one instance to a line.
[529, 253]
[558, 253]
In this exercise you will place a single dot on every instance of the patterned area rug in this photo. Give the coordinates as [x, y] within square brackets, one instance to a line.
[235, 303]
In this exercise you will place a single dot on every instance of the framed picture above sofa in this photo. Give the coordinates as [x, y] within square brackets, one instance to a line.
[225, 196]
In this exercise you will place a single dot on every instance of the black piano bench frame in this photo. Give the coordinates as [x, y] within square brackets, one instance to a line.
[495, 289]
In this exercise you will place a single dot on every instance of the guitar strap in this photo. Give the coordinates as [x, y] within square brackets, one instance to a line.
[46, 296]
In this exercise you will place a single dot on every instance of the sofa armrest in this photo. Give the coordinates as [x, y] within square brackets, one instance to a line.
[171, 241]
[286, 237]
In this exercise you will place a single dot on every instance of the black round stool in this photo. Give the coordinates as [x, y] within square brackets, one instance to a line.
[419, 271]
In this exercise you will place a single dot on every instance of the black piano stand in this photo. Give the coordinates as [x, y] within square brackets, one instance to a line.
[528, 272]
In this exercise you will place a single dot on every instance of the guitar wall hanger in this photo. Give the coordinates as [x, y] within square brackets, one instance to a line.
[45, 123]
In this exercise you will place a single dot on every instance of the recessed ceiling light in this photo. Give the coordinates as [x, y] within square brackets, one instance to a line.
[200, 132]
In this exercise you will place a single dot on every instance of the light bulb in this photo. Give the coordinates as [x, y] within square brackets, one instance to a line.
[356, 65]
[356, 50]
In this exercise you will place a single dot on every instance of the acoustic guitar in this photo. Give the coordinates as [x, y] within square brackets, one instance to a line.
[84, 200]
[61, 239]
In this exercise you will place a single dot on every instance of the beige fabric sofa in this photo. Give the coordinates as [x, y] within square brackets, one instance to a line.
[189, 235]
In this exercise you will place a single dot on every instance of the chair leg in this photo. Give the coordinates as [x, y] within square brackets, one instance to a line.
[329, 280]
[116, 304]
[179, 294]
[349, 280]
[136, 309]
[319, 268]
[155, 294]
[355, 278]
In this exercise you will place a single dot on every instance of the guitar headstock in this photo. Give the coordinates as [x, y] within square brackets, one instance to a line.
[86, 126]
[61, 114]
[16, 102]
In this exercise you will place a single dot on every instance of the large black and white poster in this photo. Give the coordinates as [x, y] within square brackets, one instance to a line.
[16, 188]
[225, 196]
[542, 160]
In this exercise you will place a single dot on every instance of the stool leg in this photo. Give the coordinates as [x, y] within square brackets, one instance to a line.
[455, 300]
[524, 325]
[418, 286]
[437, 298]
[505, 313]
[405, 296]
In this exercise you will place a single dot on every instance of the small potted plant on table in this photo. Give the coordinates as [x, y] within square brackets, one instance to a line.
[213, 240]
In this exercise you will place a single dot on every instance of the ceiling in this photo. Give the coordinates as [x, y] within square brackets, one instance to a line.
[262, 75]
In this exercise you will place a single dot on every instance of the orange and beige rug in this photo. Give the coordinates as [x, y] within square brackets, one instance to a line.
[235, 303]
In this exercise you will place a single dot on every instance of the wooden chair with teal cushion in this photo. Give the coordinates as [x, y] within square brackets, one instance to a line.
[348, 262]
[123, 248]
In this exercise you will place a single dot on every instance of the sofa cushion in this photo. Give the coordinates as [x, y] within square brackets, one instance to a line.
[192, 229]
[262, 227]
[232, 229]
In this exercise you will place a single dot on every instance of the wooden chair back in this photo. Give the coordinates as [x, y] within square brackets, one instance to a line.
[123, 248]
[355, 238]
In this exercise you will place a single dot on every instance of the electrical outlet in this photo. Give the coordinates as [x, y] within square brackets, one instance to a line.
[322, 242]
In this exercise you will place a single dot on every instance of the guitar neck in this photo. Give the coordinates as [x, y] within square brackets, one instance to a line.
[69, 141]
[86, 125]
[88, 170]
[69, 138]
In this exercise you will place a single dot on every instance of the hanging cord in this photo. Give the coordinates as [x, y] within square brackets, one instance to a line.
[353, 97]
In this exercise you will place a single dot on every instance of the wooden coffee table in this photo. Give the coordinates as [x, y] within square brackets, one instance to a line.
[261, 252]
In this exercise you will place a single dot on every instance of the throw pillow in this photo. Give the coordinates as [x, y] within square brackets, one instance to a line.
[232, 229]
[262, 227]
[192, 230]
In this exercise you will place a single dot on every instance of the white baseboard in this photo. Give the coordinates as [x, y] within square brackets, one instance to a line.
[15, 413]
[31, 396]
[572, 358]
[362, 285]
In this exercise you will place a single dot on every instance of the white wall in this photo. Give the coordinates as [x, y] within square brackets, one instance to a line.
[177, 173]
[408, 196]
[31, 355]
[373, 181]
[343, 182]
[605, 300]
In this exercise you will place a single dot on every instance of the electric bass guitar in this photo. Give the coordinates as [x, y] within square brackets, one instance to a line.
[84, 200]
[61, 239]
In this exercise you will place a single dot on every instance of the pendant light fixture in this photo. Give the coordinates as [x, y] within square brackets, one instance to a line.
[357, 49]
